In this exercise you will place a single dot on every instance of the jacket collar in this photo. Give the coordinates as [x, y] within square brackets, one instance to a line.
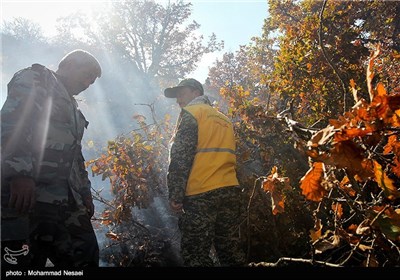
[202, 99]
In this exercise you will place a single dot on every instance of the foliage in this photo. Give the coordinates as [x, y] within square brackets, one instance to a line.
[23, 29]
[135, 166]
[155, 38]
[315, 106]
[302, 73]
[355, 170]
[303, 85]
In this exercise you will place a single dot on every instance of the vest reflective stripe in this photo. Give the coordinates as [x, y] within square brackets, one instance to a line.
[214, 164]
[215, 150]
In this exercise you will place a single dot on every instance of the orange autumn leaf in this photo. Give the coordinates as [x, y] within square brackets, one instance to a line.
[346, 186]
[352, 132]
[276, 185]
[348, 155]
[393, 146]
[395, 120]
[352, 228]
[392, 140]
[385, 183]
[380, 103]
[396, 166]
[311, 182]
[338, 209]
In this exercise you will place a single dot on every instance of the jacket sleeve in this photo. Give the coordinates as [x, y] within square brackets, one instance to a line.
[21, 117]
[182, 153]
[79, 177]
[85, 185]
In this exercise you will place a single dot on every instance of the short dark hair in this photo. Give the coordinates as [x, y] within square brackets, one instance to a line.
[81, 58]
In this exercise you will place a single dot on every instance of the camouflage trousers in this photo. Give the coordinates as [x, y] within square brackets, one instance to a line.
[212, 219]
[62, 234]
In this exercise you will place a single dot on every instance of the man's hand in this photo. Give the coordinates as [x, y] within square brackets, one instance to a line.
[176, 207]
[22, 194]
[88, 202]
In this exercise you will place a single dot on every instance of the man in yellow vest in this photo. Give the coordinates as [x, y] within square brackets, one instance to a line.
[202, 180]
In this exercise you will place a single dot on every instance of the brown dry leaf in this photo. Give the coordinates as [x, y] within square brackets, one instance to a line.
[352, 132]
[278, 203]
[267, 184]
[346, 186]
[395, 121]
[322, 245]
[380, 104]
[315, 233]
[364, 228]
[385, 183]
[394, 102]
[395, 147]
[352, 228]
[348, 155]
[106, 222]
[139, 117]
[366, 172]
[275, 185]
[338, 209]
[337, 123]
[365, 247]
[388, 222]
[311, 182]
[349, 236]
[392, 140]
[112, 235]
[396, 167]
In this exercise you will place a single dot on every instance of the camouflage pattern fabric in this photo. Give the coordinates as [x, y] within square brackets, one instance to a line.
[182, 152]
[41, 133]
[209, 218]
[212, 216]
[63, 234]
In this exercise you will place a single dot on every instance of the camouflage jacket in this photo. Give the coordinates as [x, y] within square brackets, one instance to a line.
[41, 133]
[183, 152]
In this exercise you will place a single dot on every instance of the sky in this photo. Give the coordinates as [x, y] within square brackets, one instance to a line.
[234, 22]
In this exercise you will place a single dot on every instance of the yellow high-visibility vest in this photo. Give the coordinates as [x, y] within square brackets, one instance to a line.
[214, 165]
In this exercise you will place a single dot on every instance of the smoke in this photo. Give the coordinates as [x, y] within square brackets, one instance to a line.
[109, 105]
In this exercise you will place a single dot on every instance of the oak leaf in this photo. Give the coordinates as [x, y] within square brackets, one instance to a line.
[311, 182]
[276, 186]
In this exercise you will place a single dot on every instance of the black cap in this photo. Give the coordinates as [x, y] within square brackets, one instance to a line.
[172, 91]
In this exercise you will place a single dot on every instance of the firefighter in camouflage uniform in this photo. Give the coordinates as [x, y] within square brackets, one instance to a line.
[202, 180]
[46, 201]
